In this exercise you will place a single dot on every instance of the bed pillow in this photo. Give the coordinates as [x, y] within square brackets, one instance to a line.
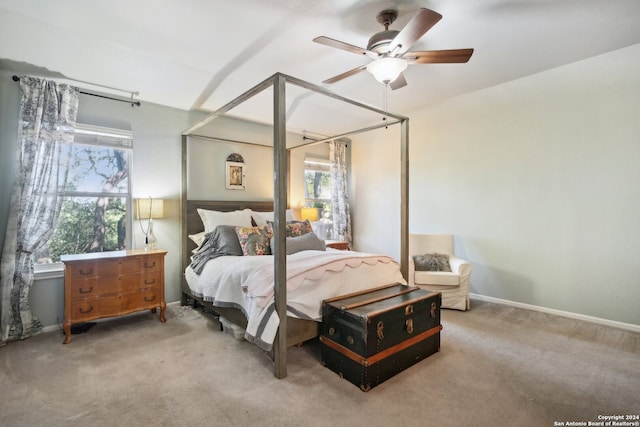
[225, 240]
[306, 242]
[262, 218]
[254, 240]
[295, 228]
[432, 262]
[298, 228]
[197, 238]
[212, 219]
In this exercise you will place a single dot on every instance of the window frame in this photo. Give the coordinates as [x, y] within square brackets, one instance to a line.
[322, 165]
[98, 136]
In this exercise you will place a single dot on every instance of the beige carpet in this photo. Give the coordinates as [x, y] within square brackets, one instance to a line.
[498, 366]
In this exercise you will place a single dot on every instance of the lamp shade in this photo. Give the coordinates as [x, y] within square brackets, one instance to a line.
[310, 214]
[149, 208]
[387, 69]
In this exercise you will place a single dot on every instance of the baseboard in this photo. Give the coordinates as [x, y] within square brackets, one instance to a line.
[598, 320]
[51, 328]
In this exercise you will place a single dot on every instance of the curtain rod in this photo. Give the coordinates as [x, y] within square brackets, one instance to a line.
[128, 101]
[305, 136]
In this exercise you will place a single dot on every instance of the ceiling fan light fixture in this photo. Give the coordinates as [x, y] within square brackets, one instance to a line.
[387, 69]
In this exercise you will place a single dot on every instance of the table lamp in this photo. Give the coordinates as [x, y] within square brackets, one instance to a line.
[149, 209]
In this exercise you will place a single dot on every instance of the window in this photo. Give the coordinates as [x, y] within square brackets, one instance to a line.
[317, 194]
[97, 197]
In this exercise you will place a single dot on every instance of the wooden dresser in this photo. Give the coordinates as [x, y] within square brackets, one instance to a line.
[108, 284]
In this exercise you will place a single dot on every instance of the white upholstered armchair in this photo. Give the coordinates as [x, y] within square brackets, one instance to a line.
[453, 285]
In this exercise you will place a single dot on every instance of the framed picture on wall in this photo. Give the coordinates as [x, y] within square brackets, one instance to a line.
[235, 176]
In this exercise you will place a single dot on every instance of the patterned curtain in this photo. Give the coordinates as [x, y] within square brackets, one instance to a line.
[340, 190]
[46, 125]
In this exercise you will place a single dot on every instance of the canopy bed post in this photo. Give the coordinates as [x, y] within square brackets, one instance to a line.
[184, 253]
[404, 198]
[280, 180]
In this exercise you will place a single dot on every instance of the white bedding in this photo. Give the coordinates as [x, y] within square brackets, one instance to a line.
[246, 282]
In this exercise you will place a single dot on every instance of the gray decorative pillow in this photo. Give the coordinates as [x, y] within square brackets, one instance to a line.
[225, 240]
[306, 242]
[432, 262]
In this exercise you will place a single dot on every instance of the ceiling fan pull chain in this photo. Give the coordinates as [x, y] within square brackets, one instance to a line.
[384, 98]
[385, 94]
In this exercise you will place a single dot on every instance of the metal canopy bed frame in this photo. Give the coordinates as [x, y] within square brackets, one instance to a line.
[279, 206]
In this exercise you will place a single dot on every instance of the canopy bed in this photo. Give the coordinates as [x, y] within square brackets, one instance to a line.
[289, 330]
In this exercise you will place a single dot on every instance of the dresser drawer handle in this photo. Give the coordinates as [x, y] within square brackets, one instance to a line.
[149, 265]
[149, 299]
[149, 282]
[83, 291]
[86, 311]
[86, 273]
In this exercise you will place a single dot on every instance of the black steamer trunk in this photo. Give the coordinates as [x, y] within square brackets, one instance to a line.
[370, 336]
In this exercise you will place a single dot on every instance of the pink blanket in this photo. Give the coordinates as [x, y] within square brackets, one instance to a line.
[304, 265]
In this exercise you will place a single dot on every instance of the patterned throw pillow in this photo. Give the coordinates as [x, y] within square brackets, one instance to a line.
[298, 228]
[254, 240]
[432, 262]
[295, 228]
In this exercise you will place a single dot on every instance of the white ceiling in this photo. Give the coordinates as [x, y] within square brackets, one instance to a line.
[201, 54]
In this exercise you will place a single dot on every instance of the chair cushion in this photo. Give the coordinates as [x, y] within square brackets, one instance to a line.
[441, 278]
[432, 262]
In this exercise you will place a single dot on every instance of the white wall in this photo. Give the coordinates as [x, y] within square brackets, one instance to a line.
[207, 170]
[538, 179]
[375, 191]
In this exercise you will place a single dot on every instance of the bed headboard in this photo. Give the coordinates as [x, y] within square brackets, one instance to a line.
[193, 224]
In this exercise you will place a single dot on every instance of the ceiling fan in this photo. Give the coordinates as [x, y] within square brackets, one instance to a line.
[390, 52]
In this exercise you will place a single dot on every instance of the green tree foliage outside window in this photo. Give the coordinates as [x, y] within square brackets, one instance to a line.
[76, 230]
[318, 189]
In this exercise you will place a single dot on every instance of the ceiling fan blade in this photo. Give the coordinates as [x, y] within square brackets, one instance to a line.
[398, 83]
[439, 56]
[416, 28]
[340, 45]
[345, 74]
